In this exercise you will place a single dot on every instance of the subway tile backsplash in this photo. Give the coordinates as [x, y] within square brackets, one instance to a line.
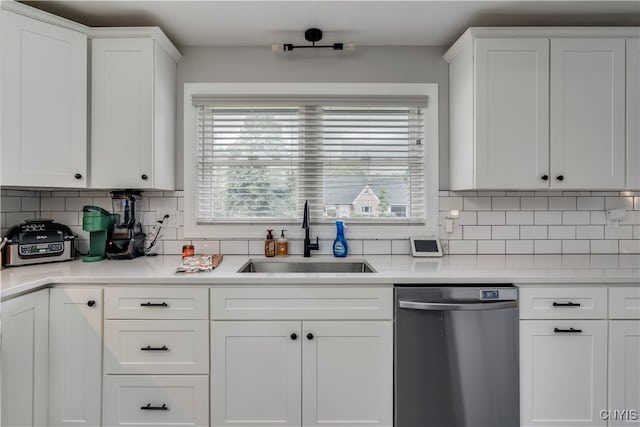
[496, 222]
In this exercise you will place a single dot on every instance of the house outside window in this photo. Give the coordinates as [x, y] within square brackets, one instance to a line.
[258, 159]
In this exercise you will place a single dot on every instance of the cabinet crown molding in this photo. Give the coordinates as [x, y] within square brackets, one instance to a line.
[91, 32]
[542, 32]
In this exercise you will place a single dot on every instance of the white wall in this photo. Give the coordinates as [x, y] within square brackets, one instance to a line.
[366, 64]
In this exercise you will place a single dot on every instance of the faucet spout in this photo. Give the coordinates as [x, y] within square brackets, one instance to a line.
[305, 217]
[308, 246]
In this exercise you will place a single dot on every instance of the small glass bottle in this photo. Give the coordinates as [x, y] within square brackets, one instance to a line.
[188, 250]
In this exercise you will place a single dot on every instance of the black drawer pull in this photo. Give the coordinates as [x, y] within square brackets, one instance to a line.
[154, 408]
[570, 330]
[566, 304]
[151, 304]
[149, 348]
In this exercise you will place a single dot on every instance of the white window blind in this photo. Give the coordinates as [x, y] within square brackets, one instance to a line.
[262, 160]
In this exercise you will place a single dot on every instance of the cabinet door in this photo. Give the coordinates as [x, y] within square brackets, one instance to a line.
[347, 373]
[512, 113]
[563, 375]
[44, 104]
[633, 114]
[588, 113]
[624, 372]
[122, 113]
[75, 362]
[25, 330]
[255, 374]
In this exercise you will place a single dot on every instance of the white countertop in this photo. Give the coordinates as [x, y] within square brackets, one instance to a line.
[390, 269]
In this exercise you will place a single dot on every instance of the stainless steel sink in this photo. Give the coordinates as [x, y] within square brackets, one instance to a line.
[255, 266]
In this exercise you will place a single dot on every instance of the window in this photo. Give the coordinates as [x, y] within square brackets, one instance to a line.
[257, 158]
[263, 161]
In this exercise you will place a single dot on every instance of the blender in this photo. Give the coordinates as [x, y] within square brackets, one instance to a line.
[127, 238]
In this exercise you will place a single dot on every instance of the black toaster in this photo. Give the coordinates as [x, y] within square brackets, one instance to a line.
[37, 241]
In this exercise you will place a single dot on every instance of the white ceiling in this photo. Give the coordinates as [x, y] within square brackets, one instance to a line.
[376, 23]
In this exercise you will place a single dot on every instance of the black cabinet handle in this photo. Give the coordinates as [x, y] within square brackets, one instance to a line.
[309, 336]
[149, 348]
[77, 176]
[570, 330]
[559, 177]
[151, 304]
[91, 303]
[566, 304]
[544, 177]
[154, 408]
[144, 176]
[294, 336]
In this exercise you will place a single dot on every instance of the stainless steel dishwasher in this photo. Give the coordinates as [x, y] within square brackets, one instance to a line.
[456, 356]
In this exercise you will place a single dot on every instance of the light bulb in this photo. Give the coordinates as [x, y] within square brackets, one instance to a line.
[349, 46]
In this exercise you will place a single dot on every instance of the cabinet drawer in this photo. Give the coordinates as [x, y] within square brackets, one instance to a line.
[156, 347]
[156, 303]
[185, 400]
[624, 303]
[563, 303]
[301, 303]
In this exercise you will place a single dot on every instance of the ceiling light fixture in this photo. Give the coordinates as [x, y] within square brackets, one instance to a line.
[313, 35]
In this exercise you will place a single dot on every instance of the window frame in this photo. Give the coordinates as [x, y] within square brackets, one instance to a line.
[256, 229]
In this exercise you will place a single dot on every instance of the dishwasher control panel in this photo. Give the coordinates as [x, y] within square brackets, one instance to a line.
[503, 294]
[489, 294]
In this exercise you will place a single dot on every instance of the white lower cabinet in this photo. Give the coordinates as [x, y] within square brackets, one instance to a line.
[156, 356]
[156, 400]
[301, 373]
[256, 373]
[347, 373]
[24, 359]
[563, 372]
[75, 362]
[624, 372]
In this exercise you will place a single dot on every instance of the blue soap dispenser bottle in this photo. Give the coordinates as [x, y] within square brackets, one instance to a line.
[340, 246]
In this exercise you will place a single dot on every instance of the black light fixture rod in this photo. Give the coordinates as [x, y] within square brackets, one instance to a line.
[312, 35]
[315, 46]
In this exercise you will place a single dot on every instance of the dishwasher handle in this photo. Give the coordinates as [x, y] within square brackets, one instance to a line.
[441, 306]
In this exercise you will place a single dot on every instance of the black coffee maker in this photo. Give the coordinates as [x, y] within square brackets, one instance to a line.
[126, 240]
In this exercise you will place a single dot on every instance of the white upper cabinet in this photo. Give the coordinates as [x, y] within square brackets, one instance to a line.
[633, 114]
[44, 104]
[544, 108]
[133, 114]
[512, 112]
[588, 113]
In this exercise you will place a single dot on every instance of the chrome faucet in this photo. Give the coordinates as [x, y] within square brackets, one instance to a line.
[308, 246]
